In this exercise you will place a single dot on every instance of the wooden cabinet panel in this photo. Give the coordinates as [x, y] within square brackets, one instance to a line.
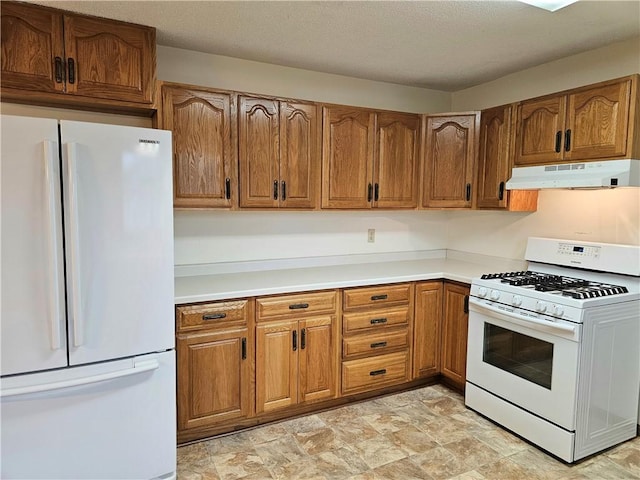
[286, 306]
[427, 329]
[396, 166]
[347, 157]
[598, 122]
[197, 317]
[375, 319]
[374, 372]
[204, 167]
[375, 344]
[276, 365]
[112, 59]
[213, 377]
[450, 149]
[454, 333]
[31, 41]
[258, 150]
[317, 359]
[299, 155]
[540, 130]
[385, 296]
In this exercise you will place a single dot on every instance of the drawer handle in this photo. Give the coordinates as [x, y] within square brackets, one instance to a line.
[375, 321]
[378, 372]
[214, 316]
[298, 306]
[379, 297]
[378, 344]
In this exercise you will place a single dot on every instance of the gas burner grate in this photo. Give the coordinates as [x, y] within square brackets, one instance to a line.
[594, 290]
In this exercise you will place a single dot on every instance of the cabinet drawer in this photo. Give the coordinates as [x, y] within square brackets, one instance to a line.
[375, 344]
[210, 315]
[296, 305]
[374, 296]
[375, 372]
[375, 319]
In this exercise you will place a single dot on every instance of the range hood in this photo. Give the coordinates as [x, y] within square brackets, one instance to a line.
[605, 174]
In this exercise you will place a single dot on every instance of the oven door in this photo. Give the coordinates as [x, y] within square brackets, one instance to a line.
[523, 358]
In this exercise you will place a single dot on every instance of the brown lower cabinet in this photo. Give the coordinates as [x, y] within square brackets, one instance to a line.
[250, 361]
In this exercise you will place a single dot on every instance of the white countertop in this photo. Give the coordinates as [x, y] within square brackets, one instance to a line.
[228, 281]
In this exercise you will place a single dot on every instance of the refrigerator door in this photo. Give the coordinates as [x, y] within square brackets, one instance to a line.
[118, 196]
[33, 318]
[112, 420]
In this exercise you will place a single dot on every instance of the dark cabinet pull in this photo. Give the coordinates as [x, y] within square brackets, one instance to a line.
[244, 348]
[295, 340]
[227, 188]
[275, 189]
[71, 64]
[501, 191]
[378, 372]
[379, 297]
[558, 141]
[376, 194]
[284, 190]
[466, 304]
[375, 321]
[298, 306]
[369, 193]
[58, 69]
[303, 338]
[378, 344]
[214, 316]
[567, 140]
[468, 192]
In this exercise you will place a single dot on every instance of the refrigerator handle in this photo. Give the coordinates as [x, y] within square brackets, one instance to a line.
[73, 241]
[51, 183]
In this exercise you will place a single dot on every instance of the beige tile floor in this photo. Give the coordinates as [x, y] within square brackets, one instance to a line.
[420, 434]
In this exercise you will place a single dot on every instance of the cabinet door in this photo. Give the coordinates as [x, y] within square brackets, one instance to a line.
[213, 377]
[598, 122]
[31, 42]
[277, 347]
[347, 157]
[426, 331]
[395, 176]
[318, 367]
[109, 59]
[449, 161]
[494, 165]
[203, 158]
[258, 149]
[299, 155]
[539, 132]
[454, 333]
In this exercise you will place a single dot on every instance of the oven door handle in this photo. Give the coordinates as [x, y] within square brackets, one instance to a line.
[475, 305]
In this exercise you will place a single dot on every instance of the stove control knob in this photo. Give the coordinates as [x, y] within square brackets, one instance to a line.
[482, 292]
[495, 294]
[516, 300]
[557, 310]
[541, 307]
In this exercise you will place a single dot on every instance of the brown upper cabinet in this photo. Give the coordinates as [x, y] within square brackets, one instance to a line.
[495, 153]
[55, 57]
[279, 153]
[590, 123]
[204, 154]
[369, 159]
[450, 151]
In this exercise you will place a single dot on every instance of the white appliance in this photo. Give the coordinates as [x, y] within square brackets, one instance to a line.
[87, 333]
[553, 352]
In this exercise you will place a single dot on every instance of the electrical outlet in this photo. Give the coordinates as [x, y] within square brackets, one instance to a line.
[371, 235]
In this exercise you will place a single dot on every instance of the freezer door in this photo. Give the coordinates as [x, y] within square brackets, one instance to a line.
[117, 186]
[33, 335]
[112, 420]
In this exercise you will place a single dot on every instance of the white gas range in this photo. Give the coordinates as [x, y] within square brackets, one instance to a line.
[553, 352]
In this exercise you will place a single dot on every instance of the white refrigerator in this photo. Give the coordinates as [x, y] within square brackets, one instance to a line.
[87, 329]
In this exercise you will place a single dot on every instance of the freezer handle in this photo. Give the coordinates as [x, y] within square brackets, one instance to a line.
[139, 367]
[73, 240]
[51, 182]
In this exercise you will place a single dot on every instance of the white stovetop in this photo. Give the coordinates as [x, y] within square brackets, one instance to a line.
[200, 283]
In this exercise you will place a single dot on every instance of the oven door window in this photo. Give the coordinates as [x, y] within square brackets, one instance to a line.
[527, 357]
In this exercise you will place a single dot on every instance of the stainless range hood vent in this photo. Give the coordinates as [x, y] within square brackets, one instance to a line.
[605, 174]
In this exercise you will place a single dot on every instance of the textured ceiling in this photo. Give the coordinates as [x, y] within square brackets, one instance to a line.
[444, 45]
